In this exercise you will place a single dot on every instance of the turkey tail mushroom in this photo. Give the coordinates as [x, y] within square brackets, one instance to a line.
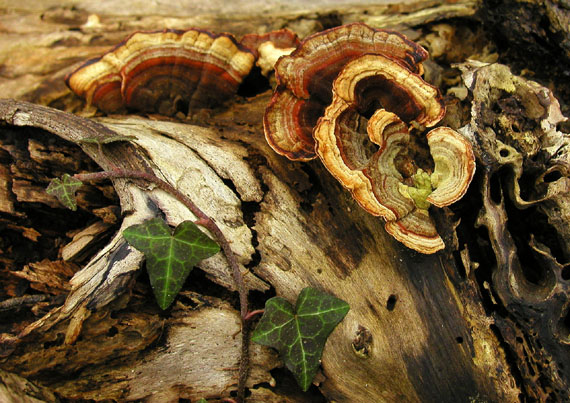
[305, 77]
[327, 89]
[269, 47]
[167, 71]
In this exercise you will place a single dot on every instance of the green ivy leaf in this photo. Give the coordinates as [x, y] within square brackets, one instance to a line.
[64, 189]
[300, 333]
[170, 257]
[202, 400]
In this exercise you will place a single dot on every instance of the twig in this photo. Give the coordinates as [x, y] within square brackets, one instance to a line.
[18, 302]
[205, 221]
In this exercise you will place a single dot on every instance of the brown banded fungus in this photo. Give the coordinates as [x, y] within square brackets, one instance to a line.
[305, 80]
[390, 182]
[356, 105]
[269, 47]
[166, 72]
[454, 166]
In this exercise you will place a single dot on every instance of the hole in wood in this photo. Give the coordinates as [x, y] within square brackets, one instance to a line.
[564, 326]
[496, 190]
[552, 176]
[391, 303]
[112, 331]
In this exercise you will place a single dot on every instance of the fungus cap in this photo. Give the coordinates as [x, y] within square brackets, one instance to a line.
[405, 97]
[166, 72]
[417, 232]
[376, 176]
[269, 47]
[305, 80]
[454, 166]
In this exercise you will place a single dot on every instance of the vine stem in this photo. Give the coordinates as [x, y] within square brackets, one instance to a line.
[204, 220]
[251, 314]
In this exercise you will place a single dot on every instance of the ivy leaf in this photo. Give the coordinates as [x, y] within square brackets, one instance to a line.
[64, 189]
[300, 333]
[170, 257]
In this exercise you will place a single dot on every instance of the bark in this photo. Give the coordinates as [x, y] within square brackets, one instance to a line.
[484, 320]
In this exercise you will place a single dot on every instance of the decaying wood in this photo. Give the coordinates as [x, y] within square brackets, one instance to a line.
[514, 126]
[189, 364]
[448, 327]
[17, 389]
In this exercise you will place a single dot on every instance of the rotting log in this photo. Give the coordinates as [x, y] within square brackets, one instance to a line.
[444, 327]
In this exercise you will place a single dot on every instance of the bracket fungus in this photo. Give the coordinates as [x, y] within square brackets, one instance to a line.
[364, 136]
[269, 47]
[305, 77]
[166, 71]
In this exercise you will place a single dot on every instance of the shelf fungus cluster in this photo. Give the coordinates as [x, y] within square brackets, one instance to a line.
[175, 71]
[353, 96]
[166, 72]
